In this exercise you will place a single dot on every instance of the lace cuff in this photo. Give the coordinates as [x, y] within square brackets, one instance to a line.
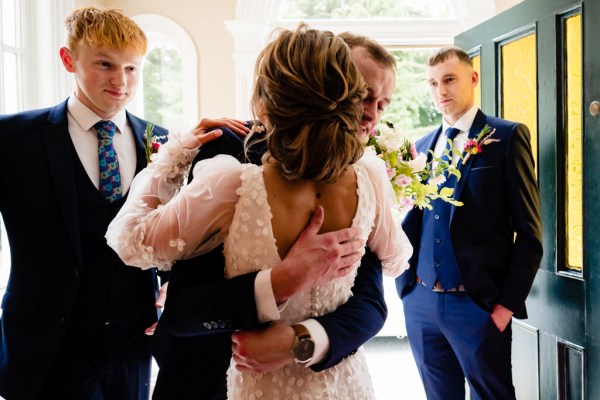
[153, 187]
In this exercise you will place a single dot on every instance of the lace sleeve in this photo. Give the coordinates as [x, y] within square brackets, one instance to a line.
[164, 220]
[387, 238]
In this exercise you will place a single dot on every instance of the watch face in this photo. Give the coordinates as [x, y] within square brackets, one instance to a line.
[304, 350]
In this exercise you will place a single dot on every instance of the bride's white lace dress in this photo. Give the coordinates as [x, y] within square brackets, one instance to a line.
[228, 202]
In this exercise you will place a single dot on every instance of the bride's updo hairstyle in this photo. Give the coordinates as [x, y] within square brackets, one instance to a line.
[311, 95]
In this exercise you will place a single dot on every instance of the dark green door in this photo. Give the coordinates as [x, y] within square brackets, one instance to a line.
[540, 64]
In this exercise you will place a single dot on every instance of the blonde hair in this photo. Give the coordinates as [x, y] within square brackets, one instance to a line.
[311, 93]
[104, 28]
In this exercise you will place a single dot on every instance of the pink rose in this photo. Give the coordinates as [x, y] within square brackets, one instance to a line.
[403, 180]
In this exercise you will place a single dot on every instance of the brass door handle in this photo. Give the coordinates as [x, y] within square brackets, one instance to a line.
[595, 108]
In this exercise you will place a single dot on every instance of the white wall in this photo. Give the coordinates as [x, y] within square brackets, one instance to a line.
[204, 21]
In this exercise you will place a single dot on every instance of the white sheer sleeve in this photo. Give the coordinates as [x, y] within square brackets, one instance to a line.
[163, 221]
[387, 238]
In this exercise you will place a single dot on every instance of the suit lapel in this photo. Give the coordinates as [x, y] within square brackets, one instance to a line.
[428, 143]
[60, 160]
[138, 126]
[465, 169]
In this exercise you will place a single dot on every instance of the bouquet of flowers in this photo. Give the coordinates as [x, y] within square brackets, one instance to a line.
[415, 181]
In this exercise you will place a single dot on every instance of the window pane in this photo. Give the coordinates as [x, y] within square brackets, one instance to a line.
[411, 110]
[163, 92]
[9, 19]
[365, 9]
[11, 94]
[574, 143]
[519, 85]
[477, 68]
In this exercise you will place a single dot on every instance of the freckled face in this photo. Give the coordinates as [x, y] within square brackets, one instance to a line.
[451, 85]
[106, 78]
[380, 81]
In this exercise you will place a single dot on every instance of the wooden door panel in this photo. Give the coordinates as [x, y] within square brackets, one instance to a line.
[556, 351]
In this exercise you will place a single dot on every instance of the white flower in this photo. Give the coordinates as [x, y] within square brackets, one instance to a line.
[390, 139]
[418, 163]
[437, 180]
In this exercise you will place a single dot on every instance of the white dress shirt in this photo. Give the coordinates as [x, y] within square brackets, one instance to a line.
[85, 139]
[463, 125]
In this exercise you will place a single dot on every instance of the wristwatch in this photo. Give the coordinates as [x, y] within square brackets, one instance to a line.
[304, 345]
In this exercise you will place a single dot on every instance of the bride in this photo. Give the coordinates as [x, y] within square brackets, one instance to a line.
[308, 95]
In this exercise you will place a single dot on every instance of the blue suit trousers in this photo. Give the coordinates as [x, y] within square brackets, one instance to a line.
[452, 339]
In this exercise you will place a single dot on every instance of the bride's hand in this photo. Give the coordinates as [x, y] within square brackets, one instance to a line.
[205, 131]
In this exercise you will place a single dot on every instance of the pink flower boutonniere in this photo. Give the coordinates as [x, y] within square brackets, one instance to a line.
[152, 142]
[473, 146]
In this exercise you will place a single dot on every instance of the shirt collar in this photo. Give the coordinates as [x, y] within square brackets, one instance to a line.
[86, 118]
[464, 123]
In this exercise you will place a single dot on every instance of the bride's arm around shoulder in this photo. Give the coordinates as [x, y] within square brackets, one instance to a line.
[163, 219]
[387, 239]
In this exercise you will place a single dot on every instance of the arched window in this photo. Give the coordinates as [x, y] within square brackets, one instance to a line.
[168, 91]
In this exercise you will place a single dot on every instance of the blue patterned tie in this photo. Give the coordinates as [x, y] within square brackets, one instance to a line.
[110, 177]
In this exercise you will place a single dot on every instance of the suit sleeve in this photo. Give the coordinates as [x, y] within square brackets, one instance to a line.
[352, 324]
[199, 299]
[524, 202]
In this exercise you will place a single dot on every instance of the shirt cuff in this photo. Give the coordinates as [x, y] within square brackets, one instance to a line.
[266, 306]
[319, 336]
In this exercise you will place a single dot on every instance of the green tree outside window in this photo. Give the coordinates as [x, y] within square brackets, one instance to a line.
[163, 93]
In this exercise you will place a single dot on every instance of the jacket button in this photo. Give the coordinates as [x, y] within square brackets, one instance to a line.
[437, 264]
[436, 216]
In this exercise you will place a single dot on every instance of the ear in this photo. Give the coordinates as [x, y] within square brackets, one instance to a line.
[475, 78]
[67, 59]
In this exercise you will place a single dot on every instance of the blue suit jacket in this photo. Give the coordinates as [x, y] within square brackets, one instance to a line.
[500, 194]
[192, 343]
[39, 208]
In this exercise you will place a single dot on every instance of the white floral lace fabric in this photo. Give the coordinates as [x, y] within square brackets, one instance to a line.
[251, 246]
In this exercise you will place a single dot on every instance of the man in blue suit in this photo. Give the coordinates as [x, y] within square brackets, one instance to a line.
[193, 340]
[74, 315]
[473, 265]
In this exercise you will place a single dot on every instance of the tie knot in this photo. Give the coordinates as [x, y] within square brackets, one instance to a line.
[105, 129]
[452, 132]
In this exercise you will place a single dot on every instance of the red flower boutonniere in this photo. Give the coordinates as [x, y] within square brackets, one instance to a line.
[473, 146]
[152, 142]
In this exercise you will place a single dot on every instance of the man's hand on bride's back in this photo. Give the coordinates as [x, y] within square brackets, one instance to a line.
[316, 259]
